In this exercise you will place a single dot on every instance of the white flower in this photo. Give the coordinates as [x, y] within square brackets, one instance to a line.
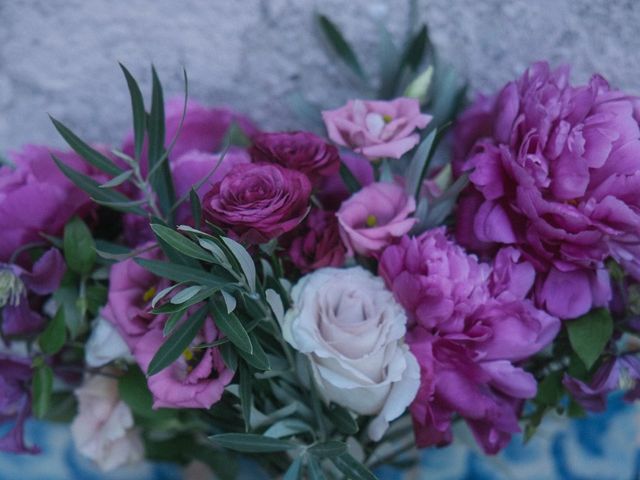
[103, 429]
[105, 344]
[352, 330]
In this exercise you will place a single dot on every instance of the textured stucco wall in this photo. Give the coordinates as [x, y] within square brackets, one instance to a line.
[59, 56]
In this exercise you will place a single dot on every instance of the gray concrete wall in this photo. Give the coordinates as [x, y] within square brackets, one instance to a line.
[59, 56]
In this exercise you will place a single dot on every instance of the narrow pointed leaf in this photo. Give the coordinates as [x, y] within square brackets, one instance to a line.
[41, 390]
[252, 443]
[230, 325]
[314, 469]
[52, 339]
[340, 46]
[186, 294]
[138, 111]
[181, 243]
[294, 470]
[352, 468]
[417, 169]
[117, 180]
[328, 449]
[182, 273]
[244, 259]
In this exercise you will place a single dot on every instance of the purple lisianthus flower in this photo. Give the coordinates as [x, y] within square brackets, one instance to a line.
[377, 128]
[554, 171]
[316, 243]
[469, 325]
[374, 217]
[258, 202]
[196, 380]
[301, 151]
[15, 402]
[16, 283]
[36, 197]
[203, 128]
[332, 191]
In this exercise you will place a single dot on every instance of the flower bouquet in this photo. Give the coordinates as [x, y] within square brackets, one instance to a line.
[317, 305]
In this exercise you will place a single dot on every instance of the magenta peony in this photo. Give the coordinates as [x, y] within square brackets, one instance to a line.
[377, 128]
[258, 202]
[316, 243]
[301, 151]
[196, 380]
[374, 216]
[469, 323]
[36, 197]
[554, 171]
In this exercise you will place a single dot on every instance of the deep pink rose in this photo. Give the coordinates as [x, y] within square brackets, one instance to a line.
[203, 128]
[377, 128]
[131, 289]
[257, 202]
[196, 380]
[301, 151]
[36, 197]
[374, 216]
[470, 324]
[554, 171]
[316, 243]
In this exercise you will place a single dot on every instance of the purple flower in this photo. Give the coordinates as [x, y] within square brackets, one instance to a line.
[36, 197]
[333, 191]
[18, 317]
[15, 402]
[301, 151]
[316, 243]
[196, 380]
[377, 128]
[469, 323]
[257, 202]
[203, 128]
[554, 171]
[374, 217]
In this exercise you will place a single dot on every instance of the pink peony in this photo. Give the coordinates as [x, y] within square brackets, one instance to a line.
[376, 128]
[301, 151]
[36, 197]
[317, 243]
[469, 323]
[258, 202]
[554, 171]
[196, 380]
[374, 216]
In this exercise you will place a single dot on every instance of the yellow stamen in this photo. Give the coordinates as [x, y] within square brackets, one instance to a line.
[149, 294]
[188, 355]
[372, 221]
[387, 118]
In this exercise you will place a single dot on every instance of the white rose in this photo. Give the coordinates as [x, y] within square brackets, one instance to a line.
[103, 429]
[352, 330]
[105, 344]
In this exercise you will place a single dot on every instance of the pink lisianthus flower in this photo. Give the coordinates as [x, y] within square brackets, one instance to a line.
[36, 197]
[469, 325]
[374, 217]
[377, 128]
[131, 289]
[258, 202]
[332, 191]
[196, 380]
[554, 171]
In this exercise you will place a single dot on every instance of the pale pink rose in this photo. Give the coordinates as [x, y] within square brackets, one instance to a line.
[352, 330]
[374, 216]
[103, 429]
[377, 128]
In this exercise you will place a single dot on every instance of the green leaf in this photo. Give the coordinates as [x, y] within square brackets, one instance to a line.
[258, 359]
[352, 468]
[133, 390]
[196, 207]
[185, 295]
[416, 48]
[230, 325]
[229, 356]
[328, 449]
[172, 321]
[252, 443]
[550, 389]
[447, 96]
[159, 175]
[182, 273]
[178, 342]
[340, 46]
[41, 389]
[91, 155]
[246, 395]
[419, 165]
[52, 339]
[419, 86]
[314, 470]
[275, 302]
[118, 179]
[287, 427]
[170, 307]
[349, 179]
[589, 334]
[342, 419]
[294, 470]
[137, 108]
[114, 199]
[244, 259]
[181, 243]
[79, 247]
[389, 64]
